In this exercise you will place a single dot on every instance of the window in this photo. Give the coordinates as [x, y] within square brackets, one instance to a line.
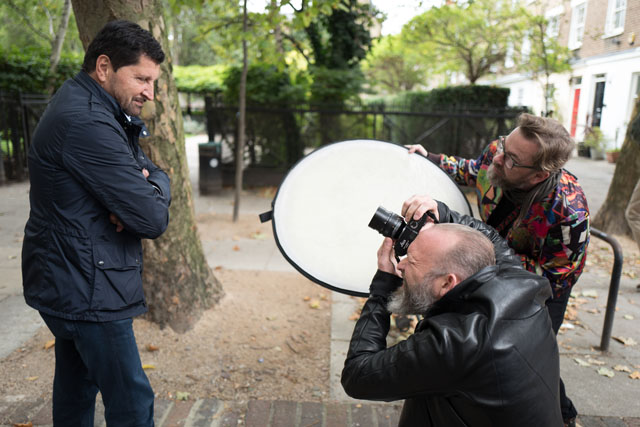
[525, 49]
[578, 18]
[615, 17]
[553, 26]
[553, 21]
[508, 56]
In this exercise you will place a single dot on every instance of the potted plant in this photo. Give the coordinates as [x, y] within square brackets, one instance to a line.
[594, 140]
[612, 155]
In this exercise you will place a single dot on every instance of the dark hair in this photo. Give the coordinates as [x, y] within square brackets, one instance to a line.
[123, 42]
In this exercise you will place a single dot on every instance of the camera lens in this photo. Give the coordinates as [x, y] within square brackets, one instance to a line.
[387, 223]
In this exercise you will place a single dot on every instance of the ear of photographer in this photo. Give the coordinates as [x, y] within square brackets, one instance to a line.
[536, 205]
[483, 355]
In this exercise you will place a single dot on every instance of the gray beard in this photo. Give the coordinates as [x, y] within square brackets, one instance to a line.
[497, 180]
[416, 301]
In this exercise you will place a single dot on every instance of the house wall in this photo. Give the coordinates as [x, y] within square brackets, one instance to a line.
[612, 59]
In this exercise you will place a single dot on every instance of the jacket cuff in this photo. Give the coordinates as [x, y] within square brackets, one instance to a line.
[384, 284]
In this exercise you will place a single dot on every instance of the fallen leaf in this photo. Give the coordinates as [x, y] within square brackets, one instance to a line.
[595, 361]
[593, 311]
[628, 317]
[314, 304]
[307, 298]
[236, 248]
[625, 341]
[622, 368]
[567, 326]
[591, 293]
[605, 372]
[49, 344]
[218, 268]
[582, 362]
[182, 395]
[32, 378]
[258, 236]
[635, 375]
[151, 347]
[148, 366]
[29, 424]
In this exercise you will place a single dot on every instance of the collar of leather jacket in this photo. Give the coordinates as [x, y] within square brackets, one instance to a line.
[506, 293]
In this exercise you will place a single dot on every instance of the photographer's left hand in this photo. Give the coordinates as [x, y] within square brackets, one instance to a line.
[387, 258]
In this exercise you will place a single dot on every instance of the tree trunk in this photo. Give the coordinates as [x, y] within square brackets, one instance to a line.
[610, 218]
[241, 118]
[178, 283]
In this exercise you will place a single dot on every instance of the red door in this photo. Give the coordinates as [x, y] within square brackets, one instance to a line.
[574, 112]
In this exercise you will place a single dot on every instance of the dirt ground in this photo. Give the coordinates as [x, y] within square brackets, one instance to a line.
[269, 338]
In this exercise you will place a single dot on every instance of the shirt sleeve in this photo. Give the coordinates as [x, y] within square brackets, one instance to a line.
[464, 171]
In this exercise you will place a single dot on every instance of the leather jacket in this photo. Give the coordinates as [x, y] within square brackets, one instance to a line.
[484, 354]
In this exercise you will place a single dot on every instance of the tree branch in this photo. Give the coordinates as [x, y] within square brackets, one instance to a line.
[21, 13]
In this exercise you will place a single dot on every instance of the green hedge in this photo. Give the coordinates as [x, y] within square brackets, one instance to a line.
[200, 79]
[454, 98]
[28, 70]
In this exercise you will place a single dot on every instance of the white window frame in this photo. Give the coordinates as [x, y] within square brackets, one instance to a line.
[576, 31]
[525, 48]
[508, 56]
[553, 16]
[615, 8]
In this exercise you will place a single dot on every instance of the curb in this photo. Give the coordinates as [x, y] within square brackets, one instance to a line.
[217, 413]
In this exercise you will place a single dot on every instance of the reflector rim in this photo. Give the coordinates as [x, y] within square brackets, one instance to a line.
[273, 219]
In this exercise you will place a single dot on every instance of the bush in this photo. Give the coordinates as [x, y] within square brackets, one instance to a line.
[266, 85]
[27, 70]
[200, 79]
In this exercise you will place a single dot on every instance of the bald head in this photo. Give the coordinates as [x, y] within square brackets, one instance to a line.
[455, 248]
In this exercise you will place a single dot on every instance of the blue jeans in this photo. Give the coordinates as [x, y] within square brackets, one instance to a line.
[92, 356]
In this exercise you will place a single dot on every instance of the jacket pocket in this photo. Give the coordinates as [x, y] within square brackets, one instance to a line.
[118, 278]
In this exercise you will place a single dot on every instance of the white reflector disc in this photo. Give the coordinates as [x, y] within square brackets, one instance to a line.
[323, 207]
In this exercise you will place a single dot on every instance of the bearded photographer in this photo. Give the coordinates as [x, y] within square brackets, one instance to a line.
[484, 354]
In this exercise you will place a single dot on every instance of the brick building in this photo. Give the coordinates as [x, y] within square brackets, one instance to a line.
[604, 81]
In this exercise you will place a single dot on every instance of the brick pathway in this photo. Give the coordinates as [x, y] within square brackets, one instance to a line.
[258, 413]
[216, 413]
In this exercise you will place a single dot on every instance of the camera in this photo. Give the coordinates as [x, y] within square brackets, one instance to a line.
[393, 225]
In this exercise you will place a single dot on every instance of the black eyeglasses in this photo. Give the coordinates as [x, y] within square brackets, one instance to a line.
[509, 162]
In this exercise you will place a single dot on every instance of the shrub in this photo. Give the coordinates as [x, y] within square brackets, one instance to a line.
[27, 70]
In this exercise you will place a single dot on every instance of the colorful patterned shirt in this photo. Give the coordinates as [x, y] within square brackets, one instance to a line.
[551, 238]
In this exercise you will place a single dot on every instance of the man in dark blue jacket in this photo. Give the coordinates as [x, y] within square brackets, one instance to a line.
[94, 194]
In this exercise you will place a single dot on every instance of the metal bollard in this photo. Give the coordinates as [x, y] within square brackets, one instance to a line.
[614, 286]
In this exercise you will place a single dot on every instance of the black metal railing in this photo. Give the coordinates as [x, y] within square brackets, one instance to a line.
[19, 115]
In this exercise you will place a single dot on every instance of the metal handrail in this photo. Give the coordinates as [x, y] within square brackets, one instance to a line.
[614, 286]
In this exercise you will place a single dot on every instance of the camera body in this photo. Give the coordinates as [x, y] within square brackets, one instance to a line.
[393, 225]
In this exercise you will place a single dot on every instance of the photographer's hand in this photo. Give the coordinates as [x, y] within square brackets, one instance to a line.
[417, 148]
[387, 259]
[416, 206]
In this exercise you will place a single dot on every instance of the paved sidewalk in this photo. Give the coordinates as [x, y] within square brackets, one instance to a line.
[602, 401]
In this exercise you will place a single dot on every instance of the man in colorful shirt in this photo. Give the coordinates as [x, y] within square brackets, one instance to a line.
[538, 207]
